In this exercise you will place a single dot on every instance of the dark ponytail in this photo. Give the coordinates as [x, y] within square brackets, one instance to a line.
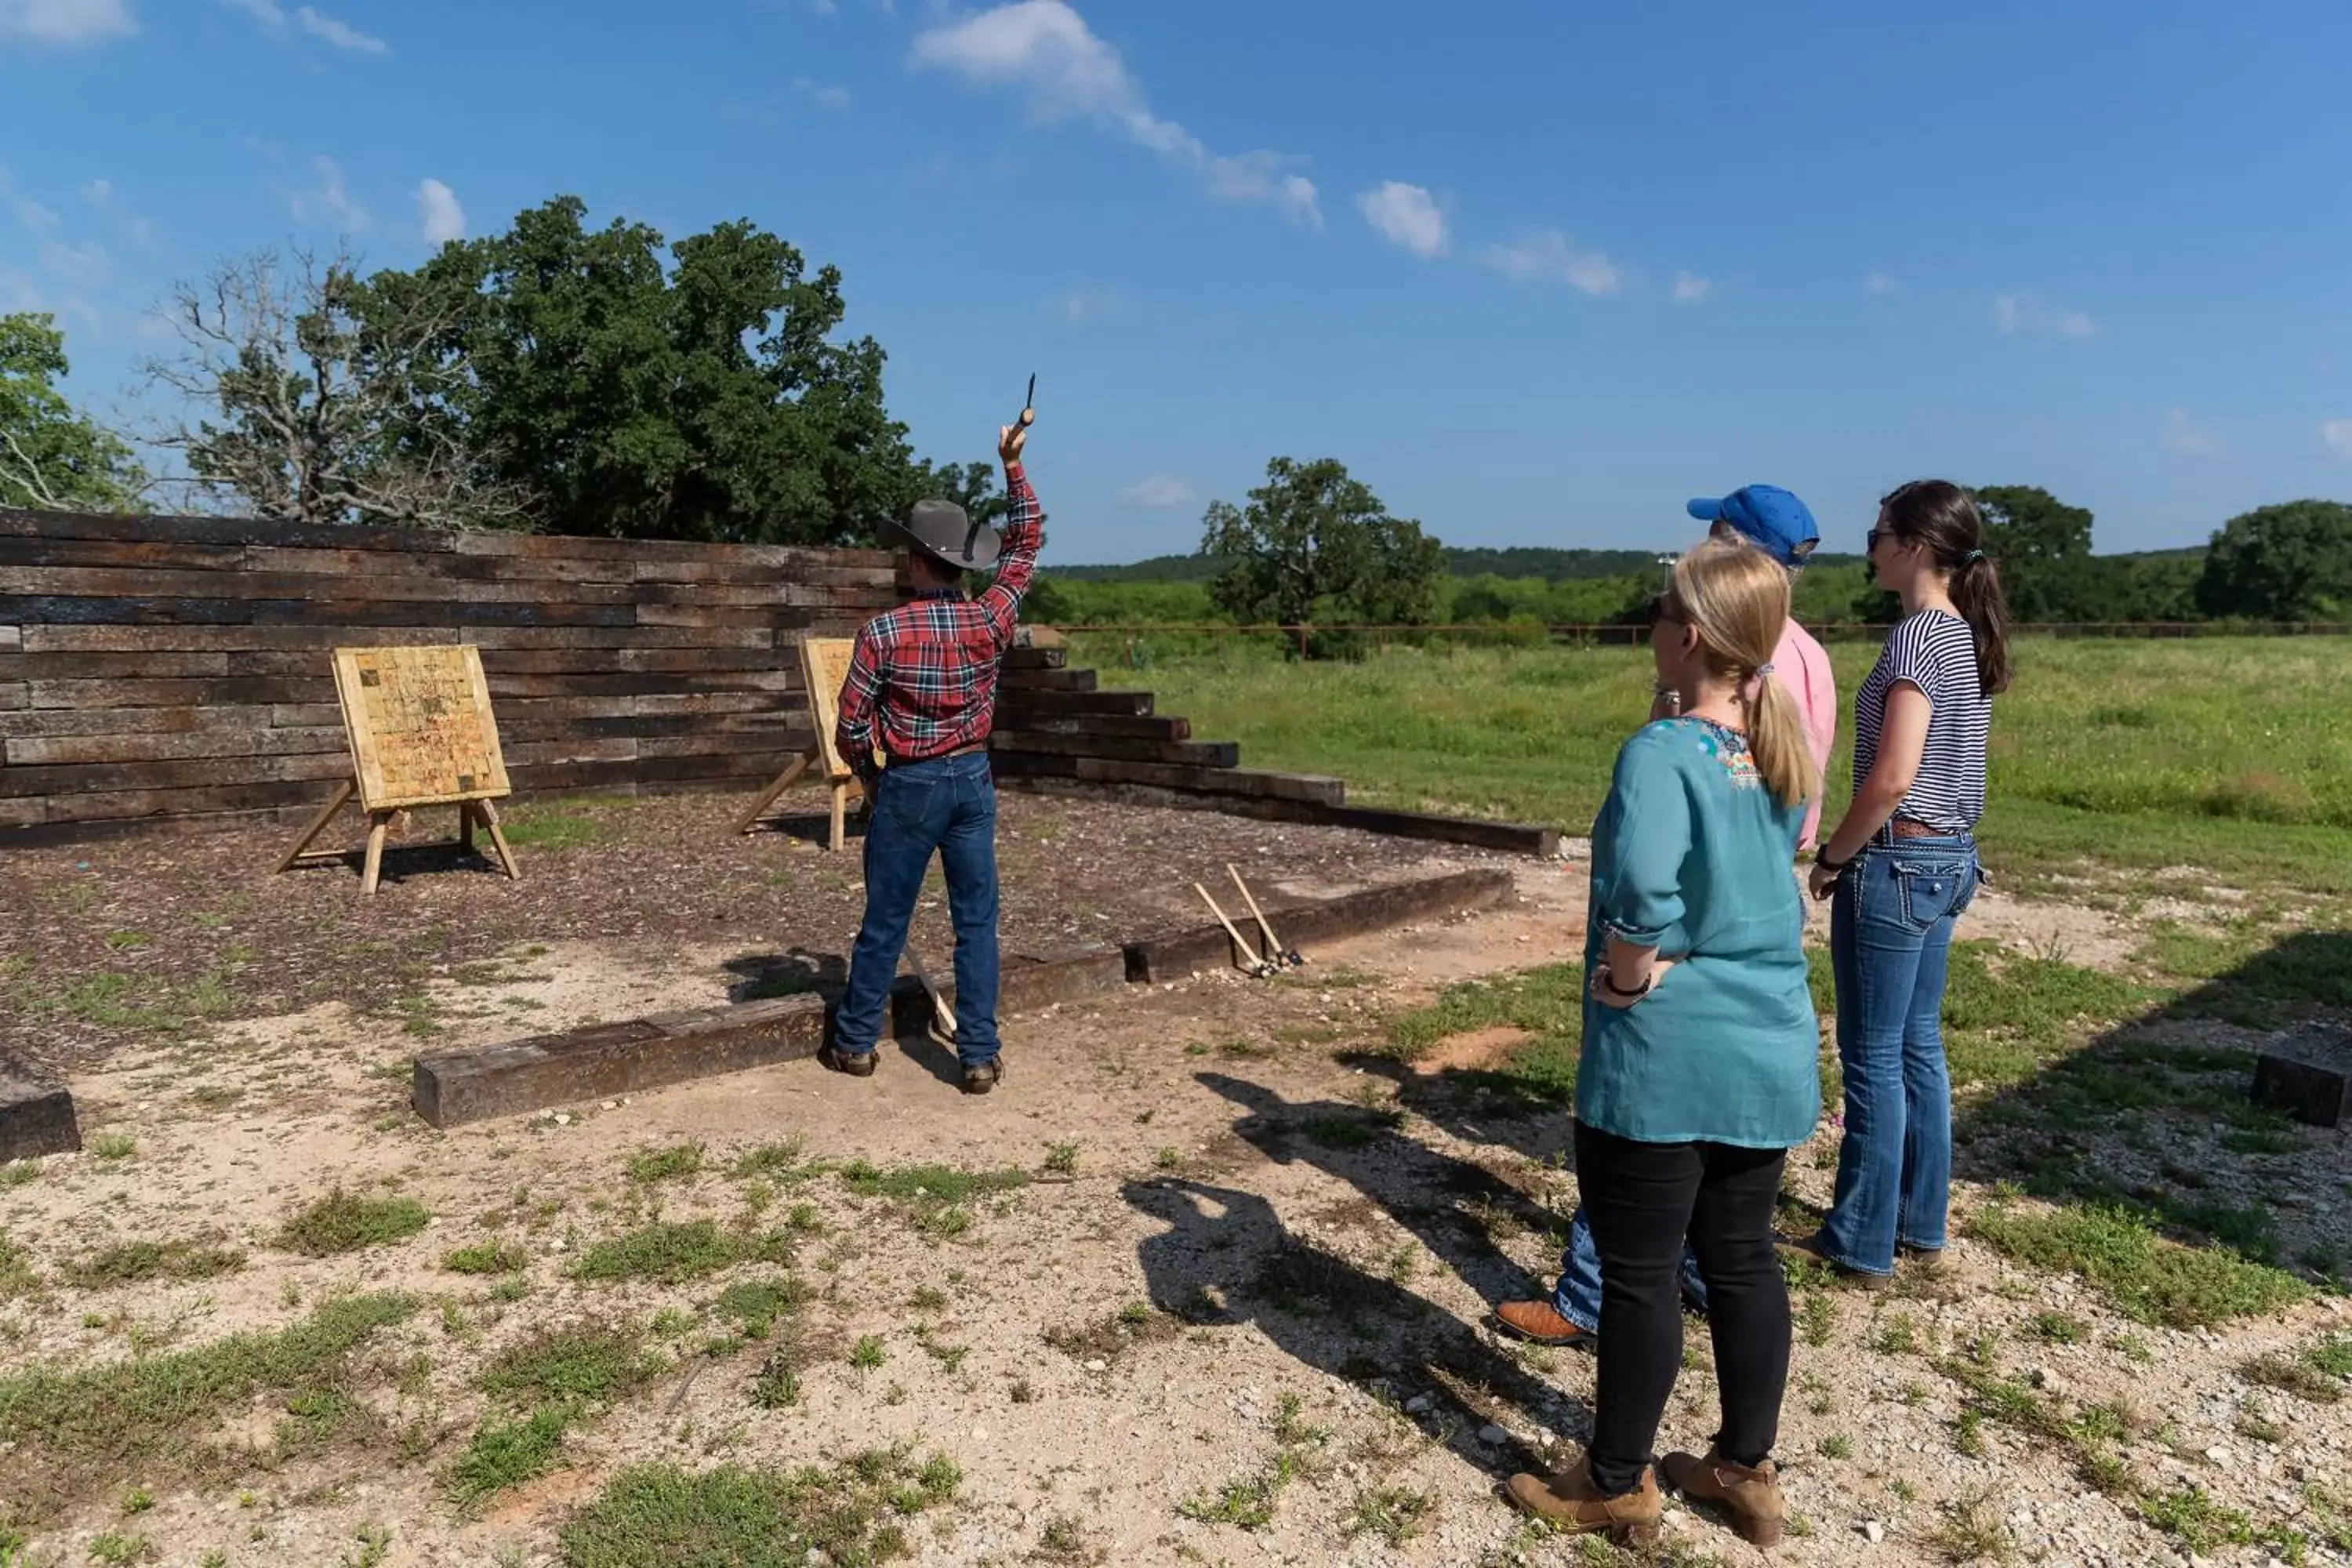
[1940, 516]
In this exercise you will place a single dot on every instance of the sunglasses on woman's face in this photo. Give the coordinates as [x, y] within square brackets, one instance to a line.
[1870, 540]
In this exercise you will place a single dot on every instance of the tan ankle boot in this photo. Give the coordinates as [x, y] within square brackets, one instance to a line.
[1750, 1497]
[1569, 1502]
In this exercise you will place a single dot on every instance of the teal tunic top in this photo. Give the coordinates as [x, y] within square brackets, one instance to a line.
[1693, 855]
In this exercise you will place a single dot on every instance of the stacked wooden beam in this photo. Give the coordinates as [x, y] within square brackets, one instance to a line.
[176, 669]
[1058, 734]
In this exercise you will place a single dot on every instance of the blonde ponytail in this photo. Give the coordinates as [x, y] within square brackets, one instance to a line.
[1737, 599]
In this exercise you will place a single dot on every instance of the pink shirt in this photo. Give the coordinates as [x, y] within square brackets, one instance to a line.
[1802, 667]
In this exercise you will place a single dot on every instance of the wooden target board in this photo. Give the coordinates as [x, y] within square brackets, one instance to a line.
[421, 732]
[824, 666]
[420, 724]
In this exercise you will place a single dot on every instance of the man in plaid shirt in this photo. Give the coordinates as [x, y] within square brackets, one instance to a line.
[922, 686]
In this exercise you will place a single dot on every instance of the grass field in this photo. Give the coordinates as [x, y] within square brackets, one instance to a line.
[2219, 759]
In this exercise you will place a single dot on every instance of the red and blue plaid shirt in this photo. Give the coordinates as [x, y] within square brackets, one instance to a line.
[922, 678]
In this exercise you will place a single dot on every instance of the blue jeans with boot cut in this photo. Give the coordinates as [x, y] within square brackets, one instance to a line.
[1891, 924]
[947, 805]
[1577, 1295]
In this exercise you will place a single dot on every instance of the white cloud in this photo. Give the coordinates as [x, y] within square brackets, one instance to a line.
[65, 21]
[98, 192]
[1406, 216]
[35, 217]
[271, 14]
[83, 264]
[1084, 304]
[2183, 434]
[1045, 48]
[825, 95]
[1551, 257]
[1690, 288]
[1161, 493]
[142, 233]
[2032, 313]
[340, 35]
[330, 199]
[438, 209]
[1878, 283]
[2336, 435]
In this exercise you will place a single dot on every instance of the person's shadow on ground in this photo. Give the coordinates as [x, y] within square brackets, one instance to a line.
[762, 975]
[1451, 1206]
[1226, 1258]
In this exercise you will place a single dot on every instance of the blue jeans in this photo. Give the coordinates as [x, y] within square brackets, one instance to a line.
[949, 805]
[1576, 1297]
[1890, 942]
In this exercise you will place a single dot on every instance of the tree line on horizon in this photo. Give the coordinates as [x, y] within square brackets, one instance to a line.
[608, 383]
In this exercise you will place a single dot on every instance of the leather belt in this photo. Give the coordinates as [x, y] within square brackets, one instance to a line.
[943, 756]
[1902, 827]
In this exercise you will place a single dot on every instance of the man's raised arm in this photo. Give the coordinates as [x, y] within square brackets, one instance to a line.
[1024, 531]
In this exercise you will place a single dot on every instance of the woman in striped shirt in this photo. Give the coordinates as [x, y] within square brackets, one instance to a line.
[1901, 867]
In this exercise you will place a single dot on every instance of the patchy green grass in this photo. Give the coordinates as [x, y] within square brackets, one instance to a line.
[2146, 1276]
[2317, 1373]
[1393, 1513]
[547, 827]
[658, 1516]
[133, 1262]
[17, 1275]
[1538, 1074]
[344, 1222]
[505, 1453]
[1246, 1501]
[756, 1304]
[568, 1365]
[672, 1252]
[484, 1257]
[664, 1164]
[1351, 1129]
[933, 1197]
[114, 1146]
[2190, 1516]
[159, 1417]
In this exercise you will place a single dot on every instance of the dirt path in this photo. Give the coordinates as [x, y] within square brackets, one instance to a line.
[1248, 1274]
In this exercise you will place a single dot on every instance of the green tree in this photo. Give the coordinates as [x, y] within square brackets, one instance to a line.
[704, 397]
[1315, 544]
[2043, 547]
[2287, 563]
[299, 401]
[54, 458]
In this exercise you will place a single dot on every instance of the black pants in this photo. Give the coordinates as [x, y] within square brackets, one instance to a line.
[1644, 1199]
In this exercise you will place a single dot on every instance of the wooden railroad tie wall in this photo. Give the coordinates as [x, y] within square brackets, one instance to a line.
[176, 671]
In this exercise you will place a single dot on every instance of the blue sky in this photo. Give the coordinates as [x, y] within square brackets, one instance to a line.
[1535, 271]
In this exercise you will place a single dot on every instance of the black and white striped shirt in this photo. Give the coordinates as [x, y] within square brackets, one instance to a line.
[1934, 651]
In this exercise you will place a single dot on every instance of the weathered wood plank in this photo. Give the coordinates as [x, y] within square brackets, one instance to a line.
[108, 638]
[1163, 775]
[30, 611]
[37, 1114]
[1142, 727]
[147, 553]
[109, 665]
[1015, 702]
[1036, 658]
[371, 612]
[173, 801]
[453, 1088]
[1019, 679]
[1174, 955]
[1192, 754]
[133, 720]
[176, 693]
[216, 530]
[54, 750]
[92, 780]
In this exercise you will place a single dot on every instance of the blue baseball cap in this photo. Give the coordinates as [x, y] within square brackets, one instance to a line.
[1768, 518]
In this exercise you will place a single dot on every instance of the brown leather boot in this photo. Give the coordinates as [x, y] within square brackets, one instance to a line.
[1542, 1323]
[1569, 1502]
[1751, 1498]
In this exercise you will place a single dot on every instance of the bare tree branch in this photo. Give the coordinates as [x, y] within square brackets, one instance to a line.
[319, 420]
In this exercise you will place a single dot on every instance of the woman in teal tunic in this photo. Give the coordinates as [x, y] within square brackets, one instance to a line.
[1698, 1069]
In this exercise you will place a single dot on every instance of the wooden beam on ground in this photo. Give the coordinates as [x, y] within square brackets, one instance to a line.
[1172, 955]
[1510, 838]
[37, 1114]
[455, 1087]
[600, 1061]
[1237, 782]
[1088, 743]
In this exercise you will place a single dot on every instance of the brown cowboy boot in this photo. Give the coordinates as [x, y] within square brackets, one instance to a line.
[1540, 1321]
[1750, 1497]
[1569, 1502]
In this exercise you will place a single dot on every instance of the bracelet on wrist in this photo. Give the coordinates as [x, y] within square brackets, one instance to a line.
[1609, 983]
[1822, 858]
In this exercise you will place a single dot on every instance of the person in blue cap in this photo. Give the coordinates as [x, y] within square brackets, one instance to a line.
[1780, 525]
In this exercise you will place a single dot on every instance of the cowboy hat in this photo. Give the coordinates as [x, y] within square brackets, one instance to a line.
[941, 529]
